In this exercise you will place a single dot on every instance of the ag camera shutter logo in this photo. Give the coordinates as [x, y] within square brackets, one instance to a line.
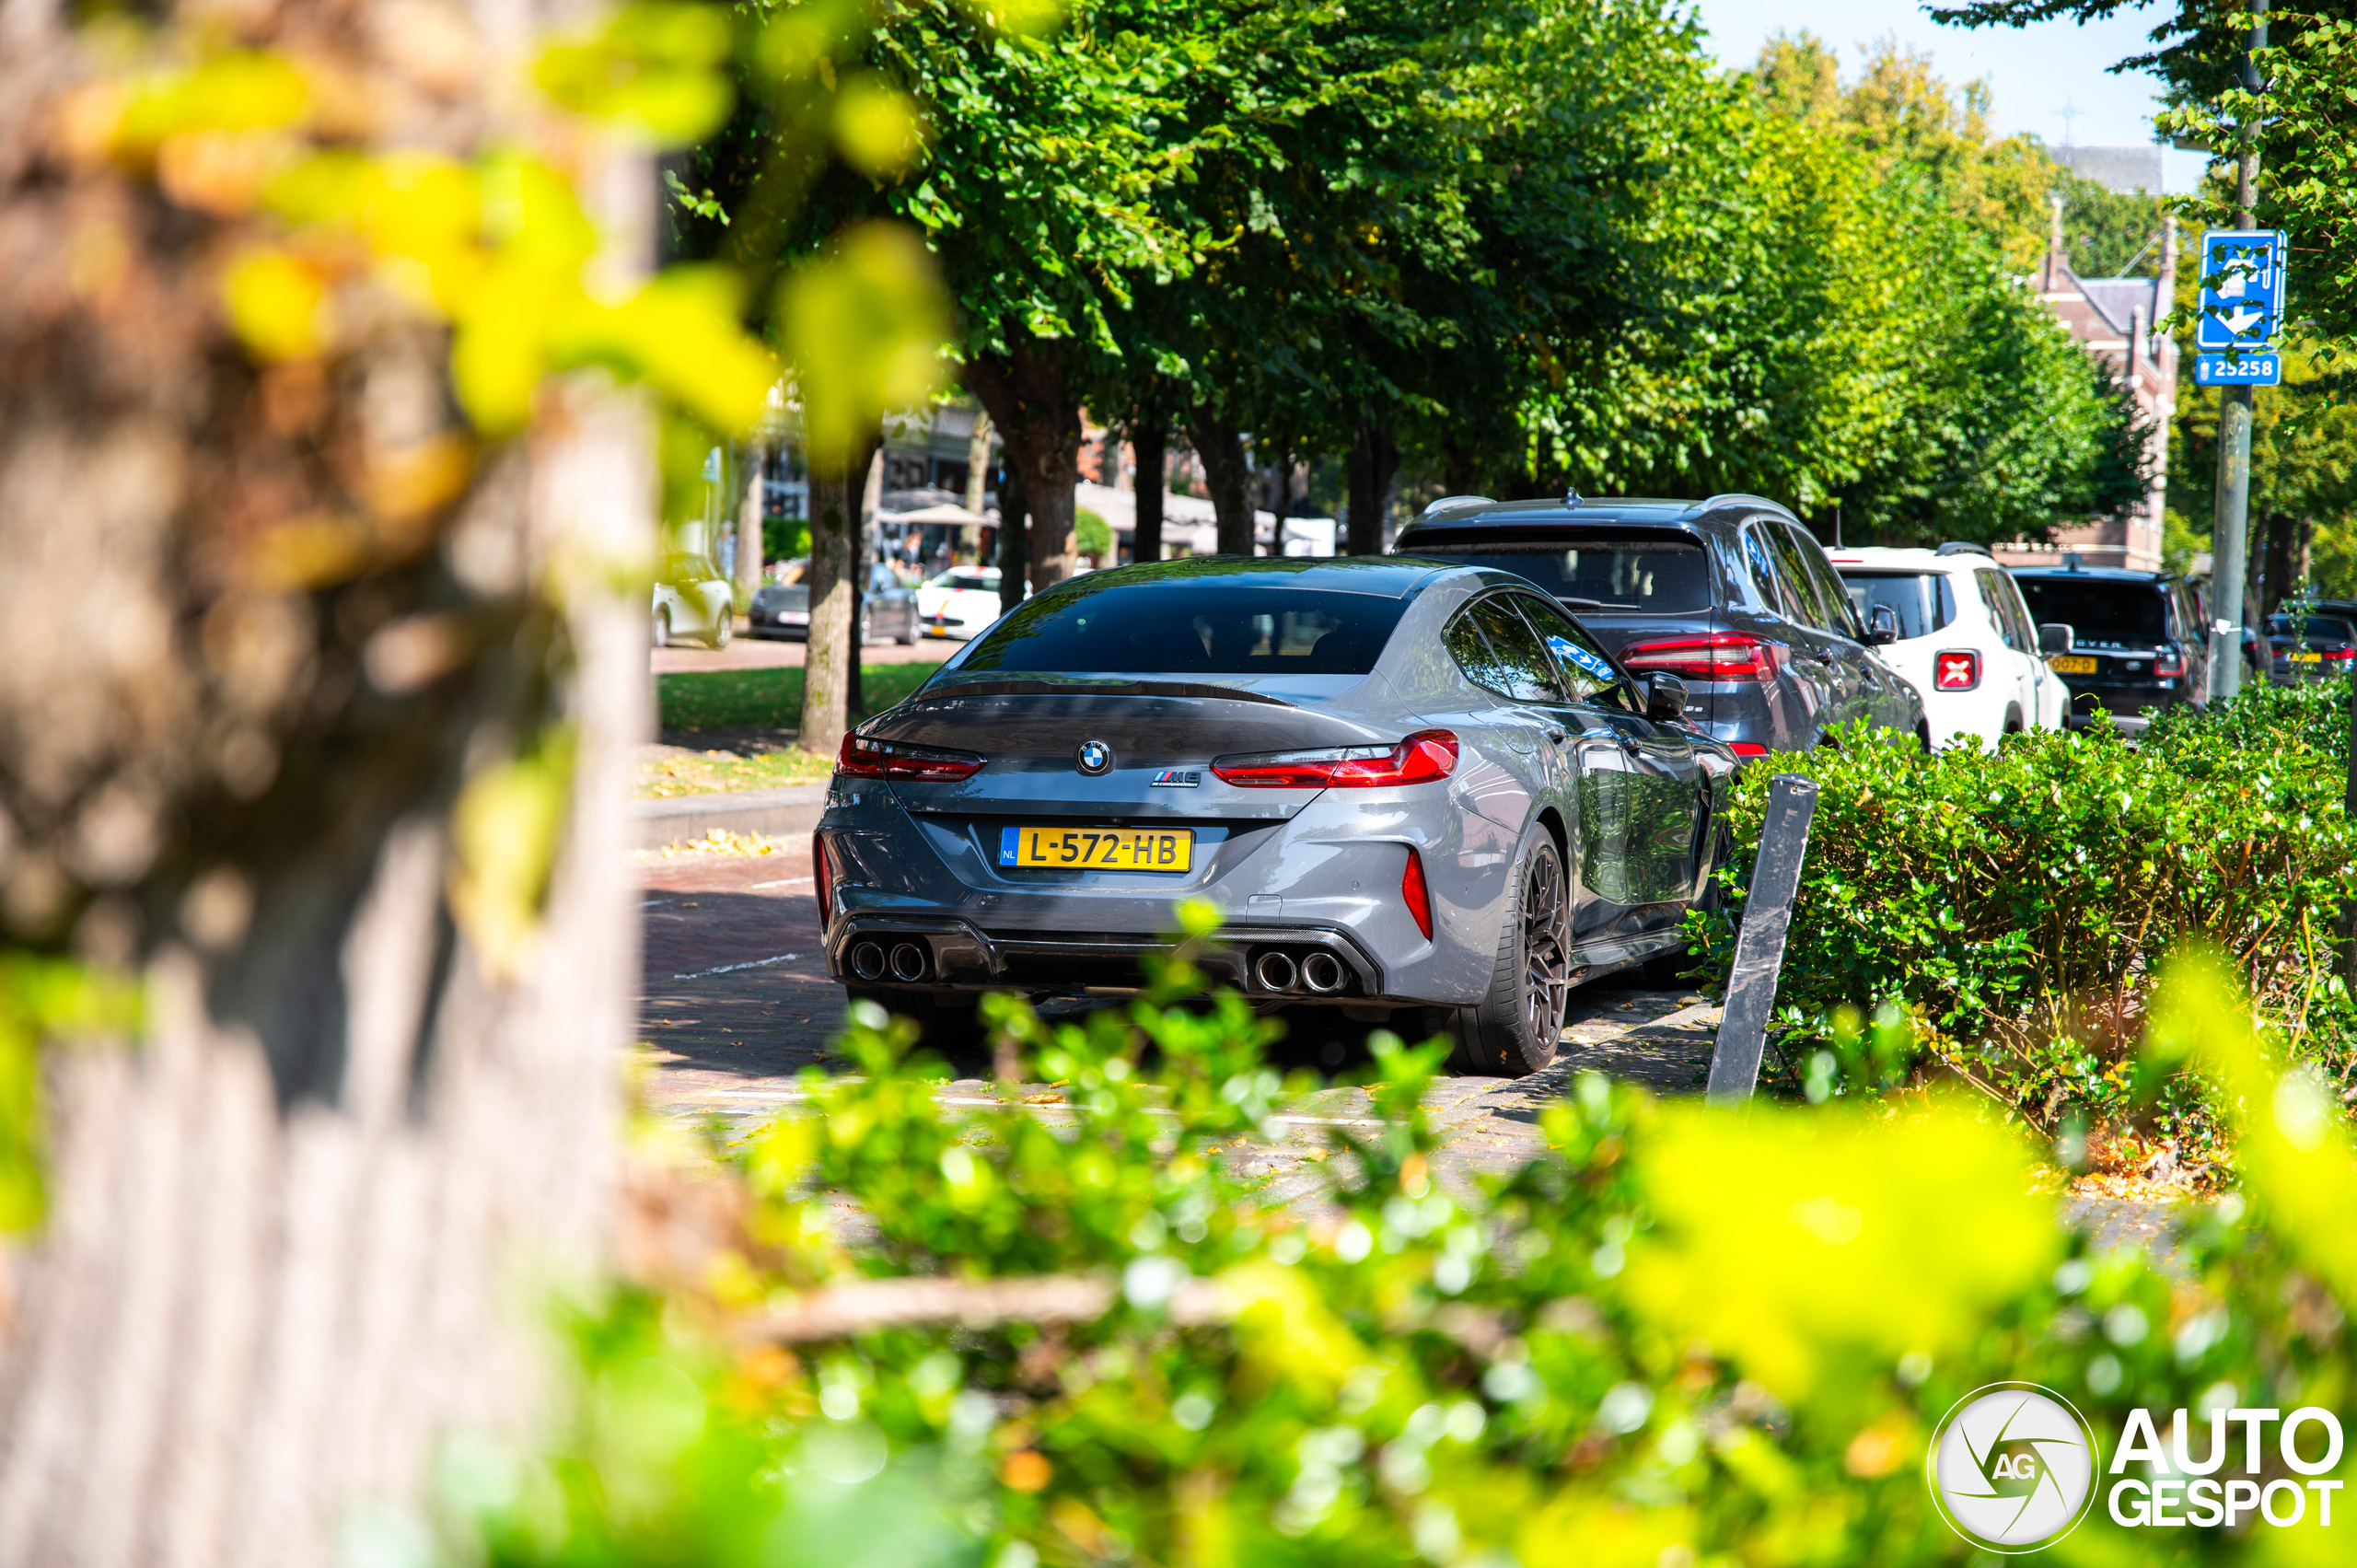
[2013, 1467]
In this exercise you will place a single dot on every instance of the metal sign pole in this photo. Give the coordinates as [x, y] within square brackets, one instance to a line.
[2229, 521]
[1760, 945]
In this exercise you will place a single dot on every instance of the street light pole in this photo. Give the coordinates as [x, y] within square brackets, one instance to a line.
[2229, 530]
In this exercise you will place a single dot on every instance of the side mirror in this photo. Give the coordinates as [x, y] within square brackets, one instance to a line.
[2053, 637]
[1665, 697]
[1882, 625]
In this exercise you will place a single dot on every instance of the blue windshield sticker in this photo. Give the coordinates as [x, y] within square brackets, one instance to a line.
[1567, 649]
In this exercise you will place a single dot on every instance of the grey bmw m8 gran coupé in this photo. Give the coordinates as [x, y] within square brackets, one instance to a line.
[1419, 792]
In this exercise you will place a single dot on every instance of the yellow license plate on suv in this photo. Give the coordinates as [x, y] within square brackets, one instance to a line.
[1102, 848]
[2071, 664]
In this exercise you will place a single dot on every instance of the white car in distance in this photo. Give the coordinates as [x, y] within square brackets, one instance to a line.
[1965, 638]
[960, 602]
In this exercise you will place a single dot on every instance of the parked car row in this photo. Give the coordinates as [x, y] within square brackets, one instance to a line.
[1440, 787]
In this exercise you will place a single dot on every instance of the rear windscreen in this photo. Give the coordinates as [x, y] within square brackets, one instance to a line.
[1923, 600]
[2312, 628]
[1185, 628]
[1595, 574]
[2094, 608]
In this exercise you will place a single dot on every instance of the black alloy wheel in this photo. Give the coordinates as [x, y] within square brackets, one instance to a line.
[1546, 949]
[1515, 1028]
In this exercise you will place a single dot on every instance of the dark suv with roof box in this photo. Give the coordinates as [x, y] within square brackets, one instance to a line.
[1732, 594]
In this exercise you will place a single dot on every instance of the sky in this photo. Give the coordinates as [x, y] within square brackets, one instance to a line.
[2033, 73]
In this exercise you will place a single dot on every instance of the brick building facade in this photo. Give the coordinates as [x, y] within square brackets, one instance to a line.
[2112, 319]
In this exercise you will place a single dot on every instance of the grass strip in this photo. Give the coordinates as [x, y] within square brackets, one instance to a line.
[768, 699]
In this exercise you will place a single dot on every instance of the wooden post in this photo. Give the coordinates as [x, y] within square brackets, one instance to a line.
[1760, 945]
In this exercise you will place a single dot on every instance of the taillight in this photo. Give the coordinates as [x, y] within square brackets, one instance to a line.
[1724, 655]
[1956, 671]
[1413, 893]
[862, 757]
[2170, 663]
[1423, 757]
[2340, 656]
[819, 875]
[1746, 748]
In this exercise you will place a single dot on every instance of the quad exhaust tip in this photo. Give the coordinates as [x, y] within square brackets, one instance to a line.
[867, 960]
[907, 961]
[1275, 972]
[1322, 973]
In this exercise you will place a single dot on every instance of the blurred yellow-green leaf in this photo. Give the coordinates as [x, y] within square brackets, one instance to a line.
[878, 126]
[680, 334]
[277, 303]
[1791, 1239]
[43, 1000]
[505, 829]
[244, 91]
[656, 67]
[863, 326]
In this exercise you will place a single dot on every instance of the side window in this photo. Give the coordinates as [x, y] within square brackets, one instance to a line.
[1780, 594]
[1943, 600]
[2023, 623]
[1495, 649]
[1587, 671]
[1993, 594]
[1842, 618]
[1795, 570]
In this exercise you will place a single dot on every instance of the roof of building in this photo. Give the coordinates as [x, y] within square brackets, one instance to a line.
[2113, 168]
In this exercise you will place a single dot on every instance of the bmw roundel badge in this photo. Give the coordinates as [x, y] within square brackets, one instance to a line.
[1093, 757]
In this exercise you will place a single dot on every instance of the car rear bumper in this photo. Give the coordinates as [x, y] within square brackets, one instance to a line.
[949, 952]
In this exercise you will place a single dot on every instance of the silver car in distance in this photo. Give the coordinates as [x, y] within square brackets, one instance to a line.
[1421, 793]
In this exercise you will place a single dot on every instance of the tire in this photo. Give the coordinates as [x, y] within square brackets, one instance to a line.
[908, 637]
[949, 1023]
[1515, 1028]
[723, 629]
[663, 628]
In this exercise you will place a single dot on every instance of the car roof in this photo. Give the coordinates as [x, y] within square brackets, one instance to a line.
[1912, 557]
[2095, 574]
[1456, 511]
[1395, 577]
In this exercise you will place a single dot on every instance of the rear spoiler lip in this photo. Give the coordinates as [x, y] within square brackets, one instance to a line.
[1092, 689]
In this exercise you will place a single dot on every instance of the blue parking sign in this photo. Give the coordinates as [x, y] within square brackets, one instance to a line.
[2242, 289]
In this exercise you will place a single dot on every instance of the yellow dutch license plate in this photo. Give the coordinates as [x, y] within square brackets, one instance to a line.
[1104, 849]
[2071, 664]
[2307, 658]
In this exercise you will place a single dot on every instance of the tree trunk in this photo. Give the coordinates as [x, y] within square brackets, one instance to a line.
[2282, 549]
[349, 800]
[863, 553]
[750, 508]
[1013, 524]
[1227, 475]
[835, 495]
[1375, 460]
[1152, 442]
[977, 467]
[1031, 400]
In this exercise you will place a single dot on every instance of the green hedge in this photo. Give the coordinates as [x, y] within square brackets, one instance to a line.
[1684, 1337]
[2008, 912]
